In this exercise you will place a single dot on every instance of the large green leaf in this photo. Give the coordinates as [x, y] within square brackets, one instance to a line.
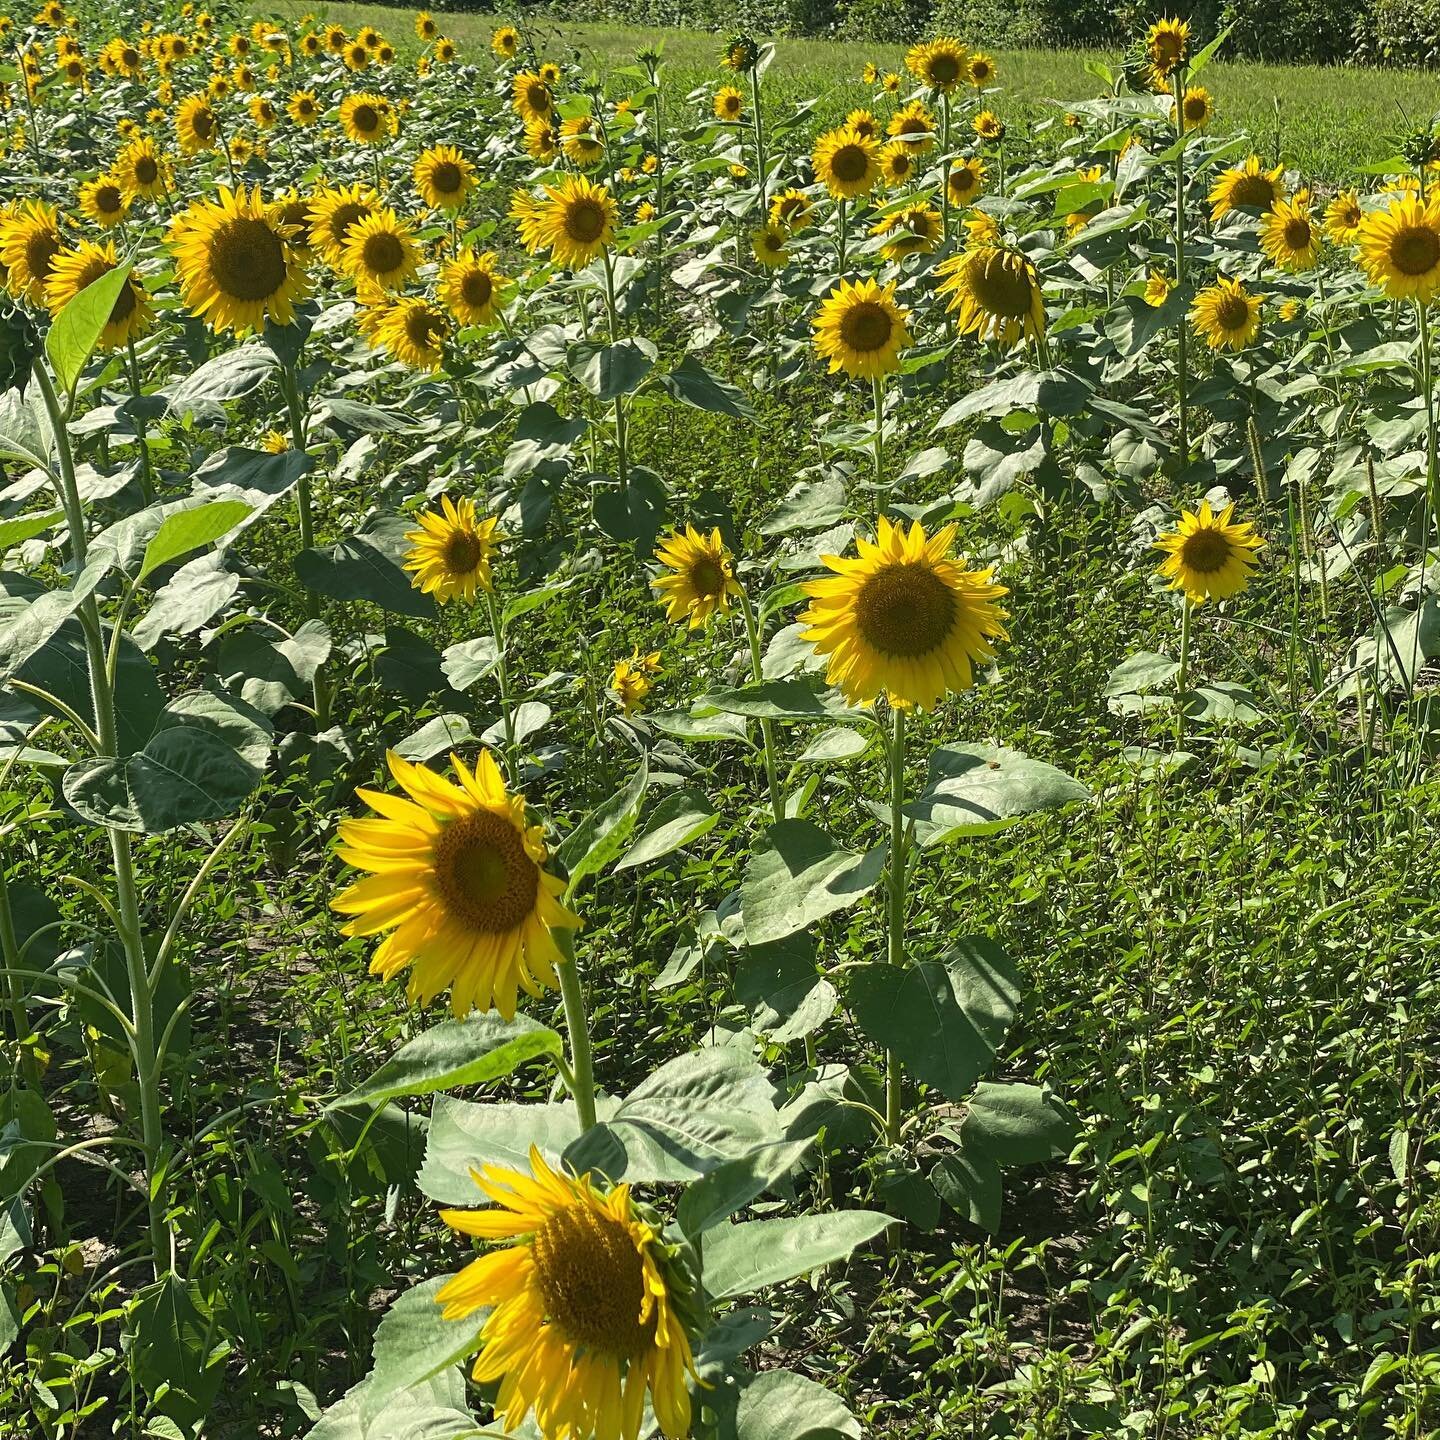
[601, 835]
[692, 384]
[610, 370]
[76, 331]
[679, 820]
[747, 1257]
[797, 875]
[435, 1409]
[718, 1195]
[780, 1405]
[781, 984]
[413, 1343]
[945, 1021]
[464, 1136]
[978, 789]
[1017, 1124]
[360, 569]
[191, 530]
[798, 700]
[472, 1051]
[25, 630]
[171, 1340]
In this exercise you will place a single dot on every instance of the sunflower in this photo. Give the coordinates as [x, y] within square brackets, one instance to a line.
[914, 125]
[370, 37]
[239, 45]
[104, 201]
[581, 140]
[236, 267]
[897, 163]
[1166, 44]
[1399, 248]
[336, 39]
[550, 73]
[981, 70]
[966, 181]
[414, 331]
[542, 139]
[1157, 289]
[73, 270]
[366, 118]
[741, 54]
[994, 293]
[1210, 556]
[275, 442]
[356, 56]
[29, 243]
[847, 162]
[262, 112]
[472, 288]
[311, 44]
[1343, 216]
[444, 177]
[196, 125]
[860, 329]
[915, 230]
[1226, 314]
[989, 126]
[903, 618]
[864, 122]
[630, 681]
[870, 73]
[303, 108]
[729, 103]
[790, 208]
[445, 50]
[1196, 109]
[141, 170]
[575, 222]
[1289, 236]
[768, 245]
[504, 42]
[530, 97]
[381, 250]
[702, 579]
[942, 64]
[1246, 187]
[292, 209]
[451, 552]
[891, 83]
[457, 878]
[585, 1306]
[333, 213]
[124, 58]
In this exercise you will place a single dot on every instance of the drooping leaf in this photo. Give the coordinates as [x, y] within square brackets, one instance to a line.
[740, 1259]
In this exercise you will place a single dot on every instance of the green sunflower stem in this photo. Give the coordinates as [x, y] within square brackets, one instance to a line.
[622, 458]
[1182, 676]
[1427, 384]
[147, 473]
[760, 177]
[895, 921]
[877, 390]
[502, 672]
[126, 909]
[581, 1077]
[767, 729]
[305, 515]
[841, 239]
[1182, 356]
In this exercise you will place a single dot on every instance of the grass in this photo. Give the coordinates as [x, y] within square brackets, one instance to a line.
[1325, 121]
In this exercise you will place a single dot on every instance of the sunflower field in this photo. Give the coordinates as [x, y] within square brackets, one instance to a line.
[678, 762]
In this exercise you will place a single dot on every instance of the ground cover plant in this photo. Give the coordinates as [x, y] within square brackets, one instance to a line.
[683, 760]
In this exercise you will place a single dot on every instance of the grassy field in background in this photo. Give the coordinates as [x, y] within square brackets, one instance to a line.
[1329, 121]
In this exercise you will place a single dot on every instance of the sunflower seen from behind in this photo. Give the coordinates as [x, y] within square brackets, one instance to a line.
[131, 315]
[1209, 555]
[700, 577]
[1226, 315]
[1399, 247]
[861, 329]
[904, 618]
[456, 883]
[993, 292]
[589, 1309]
[235, 263]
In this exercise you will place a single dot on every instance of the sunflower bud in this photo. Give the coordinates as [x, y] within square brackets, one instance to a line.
[19, 345]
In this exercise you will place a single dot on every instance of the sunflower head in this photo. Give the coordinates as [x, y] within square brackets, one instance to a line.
[994, 292]
[847, 163]
[1209, 556]
[142, 169]
[413, 330]
[943, 64]
[740, 54]
[73, 270]
[1399, 247]
[791, 209]
[1157, 288]
[303, 108]
[989, 127]
[915, 230]
[451, 553]
[915, 125]
[981, 70]
[504, 42]
[632, 680]
[1167, 43]
[30, 239]
[575, 221]
[904, 619]
[333, 214]
[698, 578]
[472, 288]
[897, 163]
[966, 181]
[1343, 216]
[582, 141]
[104, 200]
[1226, 314]
[1196, 108]
[729, 103]
[367, 119]
[444, 177]
[457, 877]
[1289, 235]
[1247, 187]
[197, 127]
[530, 97]
[860, 329]
[381, 250]
[768, 245]
[589, 1311]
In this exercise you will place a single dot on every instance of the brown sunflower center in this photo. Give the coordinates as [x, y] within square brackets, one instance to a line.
[1165, 49]
[486, 880]
[849, 163]
[592, 1279]
[463, 552]
[424, 328]
[477, 288]
[40, 251]
[1253, 192]
[382, 252]
[866, 327]
[1195, 108]
[585, 221]
[1415, 250]
[905, 609]
[1205, 551]
[247, 259]
[445, 177]
[537, 97]
[108, 199]
[962, 181]
[944, 69]
[147, 170]
[1232, 313]
[129, 58]
[202, 122]
[1000, 286]
[913, 125]
[1297, 233]
[366, 119]
[346, 216]
[124, 305]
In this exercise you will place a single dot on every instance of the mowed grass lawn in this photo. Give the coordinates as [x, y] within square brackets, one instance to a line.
[1325, 121]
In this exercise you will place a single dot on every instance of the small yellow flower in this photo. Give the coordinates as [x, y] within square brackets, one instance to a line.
[631, 679]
